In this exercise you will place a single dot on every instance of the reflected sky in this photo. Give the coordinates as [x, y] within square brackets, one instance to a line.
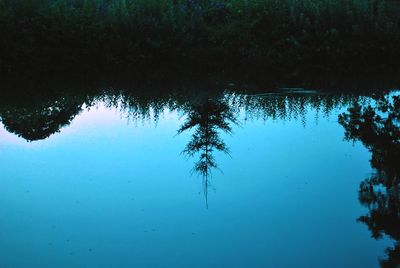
[112, 190]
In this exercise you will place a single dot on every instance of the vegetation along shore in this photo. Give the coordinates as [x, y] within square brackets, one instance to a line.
[277, 35]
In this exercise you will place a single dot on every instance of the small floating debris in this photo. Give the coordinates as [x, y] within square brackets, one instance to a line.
[263, 94]
[285, 91]
[298, 90]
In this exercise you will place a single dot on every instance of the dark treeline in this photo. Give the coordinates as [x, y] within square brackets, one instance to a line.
[35, 108]
[271, 35]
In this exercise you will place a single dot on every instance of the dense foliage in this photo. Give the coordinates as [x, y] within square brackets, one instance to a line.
[377, 127]
[278, 34]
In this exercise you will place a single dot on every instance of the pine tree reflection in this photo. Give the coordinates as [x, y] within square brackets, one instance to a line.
[378, 128]
[208, 119]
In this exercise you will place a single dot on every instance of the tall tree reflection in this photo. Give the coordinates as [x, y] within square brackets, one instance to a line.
[208, 120]
[378, 128]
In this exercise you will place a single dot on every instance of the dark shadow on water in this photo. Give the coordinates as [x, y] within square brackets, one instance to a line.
[377, 126]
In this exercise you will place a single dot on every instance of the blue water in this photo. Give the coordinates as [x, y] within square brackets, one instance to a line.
[112, 190]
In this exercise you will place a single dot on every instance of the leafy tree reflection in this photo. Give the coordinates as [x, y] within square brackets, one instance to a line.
[208, 119]
[378, 128]
[40, 120]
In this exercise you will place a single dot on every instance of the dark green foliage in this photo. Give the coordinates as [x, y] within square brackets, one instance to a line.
[43, 119]
[377, 127]
[277, 34]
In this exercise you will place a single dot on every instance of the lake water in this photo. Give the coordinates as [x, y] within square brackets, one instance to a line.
[228, 179]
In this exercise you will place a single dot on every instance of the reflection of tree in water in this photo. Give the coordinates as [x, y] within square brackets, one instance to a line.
[378, 128]
[47, 112]
[40, 120]
[286, 106]
[208, 119]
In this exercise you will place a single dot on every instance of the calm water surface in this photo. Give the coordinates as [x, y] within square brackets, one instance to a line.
[289, 179]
